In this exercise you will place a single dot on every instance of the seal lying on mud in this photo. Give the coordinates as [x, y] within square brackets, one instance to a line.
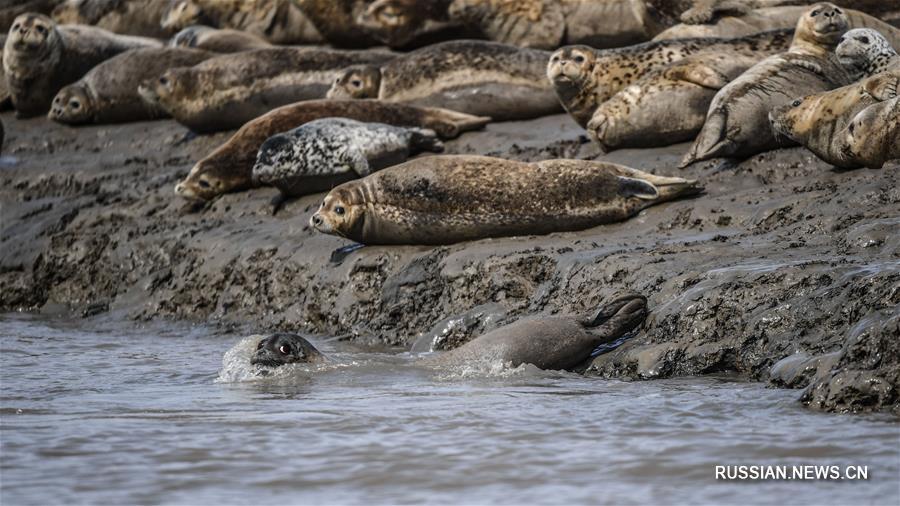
[667, 106]
[871, 138]
[475, 77]
[229, 90]
[326, 152]
[217, 40]
[454, 198]
[131, 17]
[584, 77]
[277, 21]
[547, 342]
[229, 167]
[109, 92]
[737, 124]
[40, 57]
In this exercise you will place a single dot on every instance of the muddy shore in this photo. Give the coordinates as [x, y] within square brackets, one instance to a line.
[785, 271]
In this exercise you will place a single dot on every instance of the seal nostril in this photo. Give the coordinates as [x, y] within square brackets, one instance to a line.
[317, 220]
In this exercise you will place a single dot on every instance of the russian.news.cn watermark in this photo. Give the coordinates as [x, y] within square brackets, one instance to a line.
[804, 472]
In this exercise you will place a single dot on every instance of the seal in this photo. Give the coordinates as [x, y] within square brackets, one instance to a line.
[584, 78]
[327, 152]
[131, 17]
[217, 40]
[865, 52]
[446, 199]
[229, 167]
[737, 124]
[549, 342]
[475, 77]
[407, 23]
[5, 98]
[870, 139]
[277, 21]
[40, 57]
[109, 92]
[770, 19]
[229, 90]
[666, 106]
[11, 9]
[335, 20]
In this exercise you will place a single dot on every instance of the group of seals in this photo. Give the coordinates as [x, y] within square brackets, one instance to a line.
[229, 167]
[737, 124]
[324, 153]
[475, 77]
[109, 92]
[277, 21]
[40, 57]
[547, 341]
[446, 199]
[231, 89]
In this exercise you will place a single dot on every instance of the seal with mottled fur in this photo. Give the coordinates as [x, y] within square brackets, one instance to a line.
[40, 57]
[229, 90]
[549, 342]
[666, 106]
[224, 40]
[475, 77]
[327, 152]
[584, 77]
[865, 52]
[446, 199]
[277, 21]
[131, 17]
[737, 124]
[229, 167]
[871, 138]
[109, 92]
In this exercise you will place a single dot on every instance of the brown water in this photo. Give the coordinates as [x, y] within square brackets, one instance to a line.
[106, 412]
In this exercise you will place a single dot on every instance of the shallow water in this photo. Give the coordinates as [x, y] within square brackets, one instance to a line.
[92, 413]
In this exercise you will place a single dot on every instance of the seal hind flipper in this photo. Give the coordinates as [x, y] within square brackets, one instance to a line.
[450, 124]
[699, 74]
[423, 139]
[631, 187]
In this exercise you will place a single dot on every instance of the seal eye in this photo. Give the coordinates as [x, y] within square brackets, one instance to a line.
[75, 104]
[15, 27]
[40, 29]
[814, 13]
[164, 81]
[356, 83]
[796, 103]
[339, 210]
[204, 183]
[863, 39]
[284, 349]
[579, 59]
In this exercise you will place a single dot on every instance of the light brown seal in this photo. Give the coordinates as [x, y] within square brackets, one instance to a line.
[475, 77]
[131, 17]
[109, 92]
[584, 77]
[224, 40]
[737, 124]
[229, 168]
[277, 21]
[666, 106]
[229, 90]
[40, 57]
[870, 139]
[448, 199]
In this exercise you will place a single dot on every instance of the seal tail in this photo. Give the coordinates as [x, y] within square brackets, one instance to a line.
[423, 139]
[450, 124]
[711, 141]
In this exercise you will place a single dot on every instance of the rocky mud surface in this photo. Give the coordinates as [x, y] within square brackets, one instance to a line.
[785, 271]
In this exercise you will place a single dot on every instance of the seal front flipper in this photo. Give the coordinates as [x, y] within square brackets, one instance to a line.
[883, 87]
[338, 255]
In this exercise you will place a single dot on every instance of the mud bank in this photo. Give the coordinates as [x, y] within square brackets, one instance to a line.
[786, 271]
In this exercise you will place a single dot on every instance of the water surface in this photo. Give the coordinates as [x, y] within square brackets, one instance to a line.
[108, 412]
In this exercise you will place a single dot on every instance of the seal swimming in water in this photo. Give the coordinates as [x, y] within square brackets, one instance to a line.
[548, 342]
[475, 77]
[737, 124]
[277, 21]
[871, 137]
[109, 92]
[224, 40]
[445, 199]
[131, 17]
[666, 106]
[326, 152]
[229, 167]
[229, 90]
[584, 78]
[40, 57]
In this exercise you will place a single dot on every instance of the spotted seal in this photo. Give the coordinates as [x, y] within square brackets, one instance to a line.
[667, 106]
[549, 342]
[40, 57]
[326, 152]
[445, 199]
[218, 40]
[277, 21]
[475, 77]
[229, 167]
[109, 92]
[229, 90]
[865, 52]
[584, 78]
[737, 124]
[131, 17]
[870, 139]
